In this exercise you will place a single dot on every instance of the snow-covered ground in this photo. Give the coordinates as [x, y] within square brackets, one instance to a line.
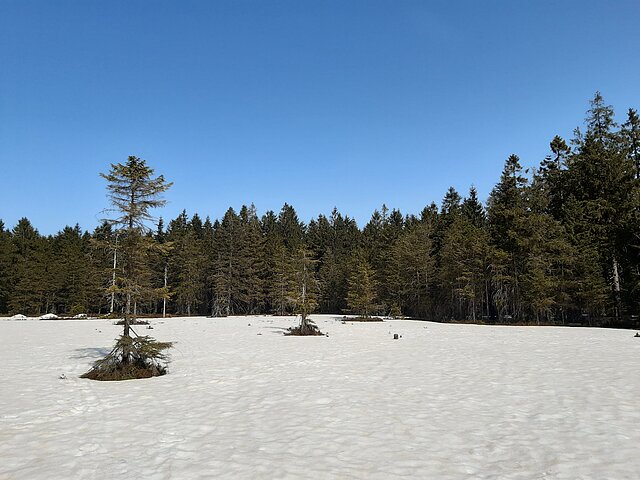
[243, 402]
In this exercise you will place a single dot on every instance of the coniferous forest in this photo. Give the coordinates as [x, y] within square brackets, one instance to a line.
[559, 244]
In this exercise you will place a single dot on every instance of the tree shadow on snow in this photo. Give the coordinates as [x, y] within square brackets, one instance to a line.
[277, 330]
[91, 353]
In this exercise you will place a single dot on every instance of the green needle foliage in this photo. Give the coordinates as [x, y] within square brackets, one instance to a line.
[558, 244]
[132, 357]
[133, 193]
[304, 292]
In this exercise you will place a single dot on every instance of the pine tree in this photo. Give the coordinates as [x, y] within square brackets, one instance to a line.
[506, 210]
[77, 285]
[379, 236]
[291, 228]
[104, 256]
[630, 133]
[361, 293]
[412, 271]
[32, 290]
[133, 192]
[160, 262]
[602, 183]
[225, 264]
[189, 256]
[282, 275]
[333, 239]
[6, 270]
[561, 247]
[472, 209]
[463, 270]
[553, 174]
[250, 261]
[304, 294]
[543, 244]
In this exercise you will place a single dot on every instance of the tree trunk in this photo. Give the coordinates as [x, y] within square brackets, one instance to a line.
[303, 323]
[473, 307]
[113, 277]
[164, 300]
[126, 354]
[616, 289]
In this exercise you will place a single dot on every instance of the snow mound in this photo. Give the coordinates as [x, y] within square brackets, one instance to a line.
[19, 316]
[80, 315]
[49, 316]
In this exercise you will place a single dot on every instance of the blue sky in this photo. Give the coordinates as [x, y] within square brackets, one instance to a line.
[315, 103]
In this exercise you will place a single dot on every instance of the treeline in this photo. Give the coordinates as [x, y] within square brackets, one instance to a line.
[556, 245]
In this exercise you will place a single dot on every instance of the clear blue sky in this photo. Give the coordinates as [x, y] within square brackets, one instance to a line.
[315, 103]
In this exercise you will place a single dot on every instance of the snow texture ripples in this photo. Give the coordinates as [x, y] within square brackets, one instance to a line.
[243, 401]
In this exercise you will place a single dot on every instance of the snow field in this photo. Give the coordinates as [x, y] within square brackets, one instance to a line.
[243, 401]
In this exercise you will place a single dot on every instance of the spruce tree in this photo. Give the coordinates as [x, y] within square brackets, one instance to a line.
[190, 260]
[553, 176]
[361, 289]
[133, 192]
[283, 288]
[304, 293]
[6, 270]
[250, 259]
[77, 284]
[604, 187]
[506, 211]
[412, 271]
[472, 209]
[464, 262]
[33, 293]
[630, 133]
[226, 266]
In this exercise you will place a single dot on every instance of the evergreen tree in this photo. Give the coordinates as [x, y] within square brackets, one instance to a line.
[226, 268]
[190, 261]
[379, 236]
[6, 270]
[160, 265]
[604, 188]
[133, 192]
[104, 255]
[32, 290]
[563, 246]
[472, 209]
[304, 294]
[77, 284]
[291, 228]
[413, 270]
[282, 280]
[464, 265]
[552, 176]
[361, 293]
[250, 261]
[631, 139]
[506, 211]
[276, 269]
[333, 239]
